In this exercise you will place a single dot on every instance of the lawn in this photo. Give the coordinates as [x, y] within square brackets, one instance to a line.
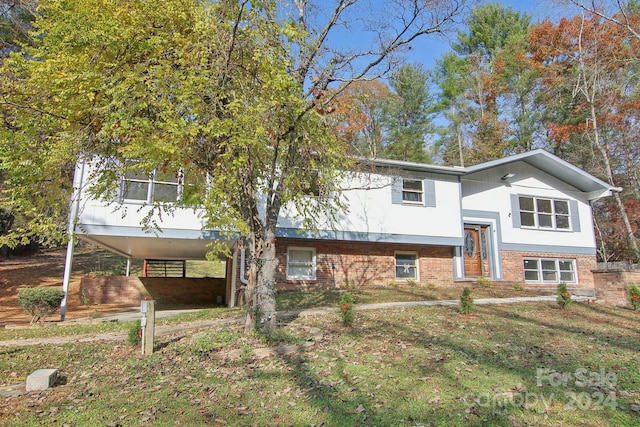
[526, 364]
[370, 295]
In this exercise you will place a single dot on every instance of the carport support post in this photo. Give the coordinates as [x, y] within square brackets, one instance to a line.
[68, 265]
[148, 308]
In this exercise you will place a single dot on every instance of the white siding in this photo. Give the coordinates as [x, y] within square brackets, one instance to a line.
[96, 212]
[485, 191]
[370, 209]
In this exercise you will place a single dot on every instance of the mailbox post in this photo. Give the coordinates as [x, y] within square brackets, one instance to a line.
[147, 324]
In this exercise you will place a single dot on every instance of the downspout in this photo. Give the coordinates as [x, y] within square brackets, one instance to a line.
[243, 279]
[231, 300]
[73, 219]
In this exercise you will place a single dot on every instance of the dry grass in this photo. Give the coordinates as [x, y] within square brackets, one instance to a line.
[529, 364]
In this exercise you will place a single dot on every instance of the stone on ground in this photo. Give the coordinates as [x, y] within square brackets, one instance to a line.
[42, 379]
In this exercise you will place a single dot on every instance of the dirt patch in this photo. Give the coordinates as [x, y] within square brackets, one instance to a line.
[46, 268]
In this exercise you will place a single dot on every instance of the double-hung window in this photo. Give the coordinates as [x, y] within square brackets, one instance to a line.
[301, 263]
[549, 270]
[166, 186]
[406, 266]
[412, 191]
[538, 212]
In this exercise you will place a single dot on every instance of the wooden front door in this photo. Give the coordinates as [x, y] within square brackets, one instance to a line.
[471, 251]
[476, 251]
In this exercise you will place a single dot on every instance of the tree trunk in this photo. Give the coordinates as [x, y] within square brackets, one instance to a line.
[260, 293]
[604, 256]
[604, 153]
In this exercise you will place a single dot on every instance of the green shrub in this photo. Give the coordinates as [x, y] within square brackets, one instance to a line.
[277, 336]
[411, 283]
[346, 309]
[134, 337]
[204, 345]
[634, 296]
[564, 296]
[466, 302]
[484, 282]
[518, 286]
[40, 302]
[208, 342]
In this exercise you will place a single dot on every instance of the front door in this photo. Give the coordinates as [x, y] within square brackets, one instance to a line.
[476, 251]
[471, 250]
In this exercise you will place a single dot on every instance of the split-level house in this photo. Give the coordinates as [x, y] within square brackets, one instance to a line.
[525, 218]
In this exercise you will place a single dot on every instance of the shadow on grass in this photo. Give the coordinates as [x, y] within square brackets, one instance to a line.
[560, 323]
[473, 356]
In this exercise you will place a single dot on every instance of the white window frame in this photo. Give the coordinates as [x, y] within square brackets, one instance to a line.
[407, 191]
[290, 263]
[151, 182]
[553, 214]
[540, 270]
[405, 266]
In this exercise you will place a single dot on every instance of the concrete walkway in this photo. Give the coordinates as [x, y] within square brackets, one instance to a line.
[203, 324]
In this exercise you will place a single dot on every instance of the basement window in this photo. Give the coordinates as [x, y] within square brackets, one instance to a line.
[406, 266]
[301, 263]
[549, 270]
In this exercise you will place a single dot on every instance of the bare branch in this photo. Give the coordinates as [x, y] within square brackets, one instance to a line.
[399, 24]
[624, 23]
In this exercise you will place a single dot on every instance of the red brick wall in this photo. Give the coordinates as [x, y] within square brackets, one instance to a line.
[168, 292]
[612, 286]
[363, 264]
[513, 266]
[112, 290]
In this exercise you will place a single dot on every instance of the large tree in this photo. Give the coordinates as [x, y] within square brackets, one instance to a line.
[407, 119]
[234, 94]
[15, 22]
[589, 87]
[359, 114]
[452, 78]
[485, 91]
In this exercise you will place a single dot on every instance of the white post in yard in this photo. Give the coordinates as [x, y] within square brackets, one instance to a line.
[147, 324]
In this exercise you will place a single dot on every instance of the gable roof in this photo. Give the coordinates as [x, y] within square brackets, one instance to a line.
[553, 166]
[540, 159]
